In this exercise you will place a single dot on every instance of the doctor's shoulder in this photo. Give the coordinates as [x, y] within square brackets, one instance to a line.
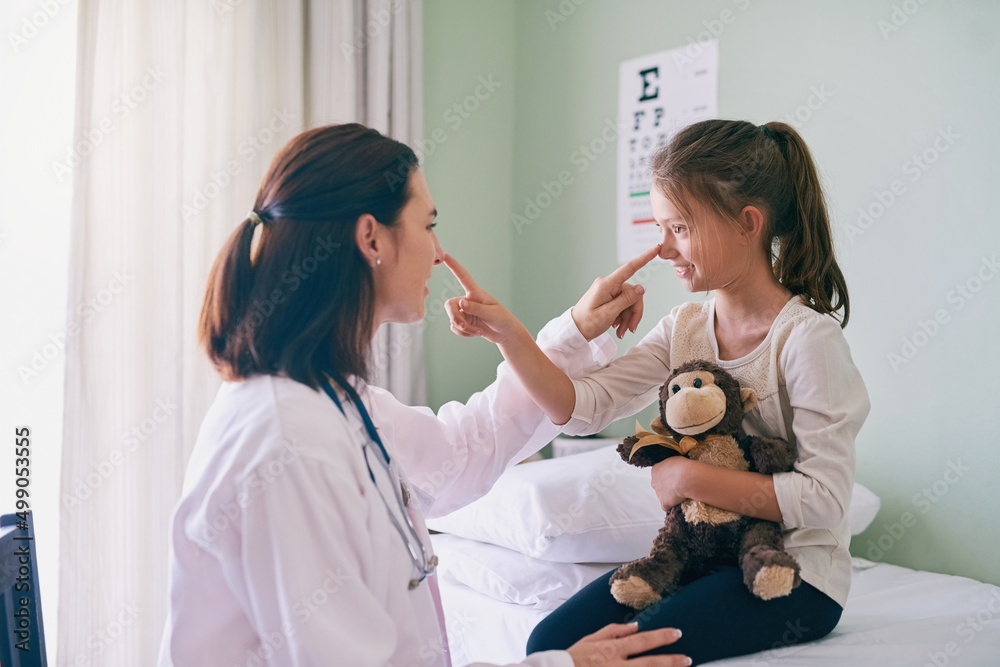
[263, 438]
[310, 424]
[272, 421]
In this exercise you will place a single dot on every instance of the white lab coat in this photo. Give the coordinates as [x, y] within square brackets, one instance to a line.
[282, 551]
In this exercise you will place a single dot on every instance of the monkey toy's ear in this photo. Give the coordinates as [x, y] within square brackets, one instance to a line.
[749, 397]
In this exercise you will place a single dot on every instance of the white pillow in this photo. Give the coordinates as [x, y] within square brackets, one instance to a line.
[565, 445]
[864, 507]
[585, 508]
[509, 576]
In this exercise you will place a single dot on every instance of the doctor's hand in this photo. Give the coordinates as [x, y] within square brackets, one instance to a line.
[477, 313]
[612, 302]
[611, 645]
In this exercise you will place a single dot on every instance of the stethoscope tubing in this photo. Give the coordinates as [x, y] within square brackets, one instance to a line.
[420, 562]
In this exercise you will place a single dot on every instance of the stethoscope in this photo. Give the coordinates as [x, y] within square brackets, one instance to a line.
[418, 555]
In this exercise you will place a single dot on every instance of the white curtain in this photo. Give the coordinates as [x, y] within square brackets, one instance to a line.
[393, 104]
[180, 106]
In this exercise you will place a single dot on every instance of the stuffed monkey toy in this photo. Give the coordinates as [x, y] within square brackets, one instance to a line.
[701, 412]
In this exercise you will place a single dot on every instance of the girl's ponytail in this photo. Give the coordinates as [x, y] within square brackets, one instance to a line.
[805, 262]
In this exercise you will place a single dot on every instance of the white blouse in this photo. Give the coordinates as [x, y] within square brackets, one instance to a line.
[809, 392]
[282, 548]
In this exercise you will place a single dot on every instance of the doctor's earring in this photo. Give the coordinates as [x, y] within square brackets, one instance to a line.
[378, 262]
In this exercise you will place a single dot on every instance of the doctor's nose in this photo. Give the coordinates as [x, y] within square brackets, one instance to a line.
[438, 252]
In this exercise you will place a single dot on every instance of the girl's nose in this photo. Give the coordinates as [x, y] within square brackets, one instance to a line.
[666, 248]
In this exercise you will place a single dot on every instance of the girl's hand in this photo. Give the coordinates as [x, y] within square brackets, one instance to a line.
[477, 313]
[667, 479]
[611, 302]
[612, 645]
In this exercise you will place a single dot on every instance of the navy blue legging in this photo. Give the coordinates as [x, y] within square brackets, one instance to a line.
[717, 615]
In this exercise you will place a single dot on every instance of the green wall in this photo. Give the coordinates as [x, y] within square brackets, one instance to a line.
[467, 156]
[893, 77]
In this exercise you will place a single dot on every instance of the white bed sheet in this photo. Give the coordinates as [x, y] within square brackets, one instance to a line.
[894, 616]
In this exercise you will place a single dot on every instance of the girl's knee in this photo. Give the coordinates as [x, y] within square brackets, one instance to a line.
[557, 632]
[542, 638]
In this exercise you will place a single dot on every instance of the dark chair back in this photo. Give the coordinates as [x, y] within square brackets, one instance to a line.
[22, 643]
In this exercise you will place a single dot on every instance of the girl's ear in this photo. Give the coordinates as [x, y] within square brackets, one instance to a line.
[752, 221]
[367, 236]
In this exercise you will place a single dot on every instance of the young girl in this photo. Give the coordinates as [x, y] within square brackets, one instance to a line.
[743, 216]
[299, 539]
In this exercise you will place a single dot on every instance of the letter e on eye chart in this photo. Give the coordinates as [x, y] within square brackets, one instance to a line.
[658, 94]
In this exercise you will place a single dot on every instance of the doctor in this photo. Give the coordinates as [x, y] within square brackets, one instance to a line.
[299, 537]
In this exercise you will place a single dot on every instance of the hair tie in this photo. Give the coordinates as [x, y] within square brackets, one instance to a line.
[257, 220]
[770, 135]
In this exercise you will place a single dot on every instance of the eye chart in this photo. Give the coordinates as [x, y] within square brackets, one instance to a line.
[658, 94]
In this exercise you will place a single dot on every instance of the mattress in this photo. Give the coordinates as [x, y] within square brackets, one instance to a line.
[894, 616]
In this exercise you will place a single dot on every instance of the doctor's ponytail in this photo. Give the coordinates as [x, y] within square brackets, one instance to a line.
[229, 285]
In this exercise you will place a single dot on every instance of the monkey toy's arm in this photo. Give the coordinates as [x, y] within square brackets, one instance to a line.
[646, 456]
[769, 455]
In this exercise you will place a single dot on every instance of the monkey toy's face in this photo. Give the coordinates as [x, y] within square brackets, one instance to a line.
[699, 397]
[694, 403]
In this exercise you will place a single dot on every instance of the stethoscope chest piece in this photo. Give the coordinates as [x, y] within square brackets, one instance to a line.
[431, 565]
